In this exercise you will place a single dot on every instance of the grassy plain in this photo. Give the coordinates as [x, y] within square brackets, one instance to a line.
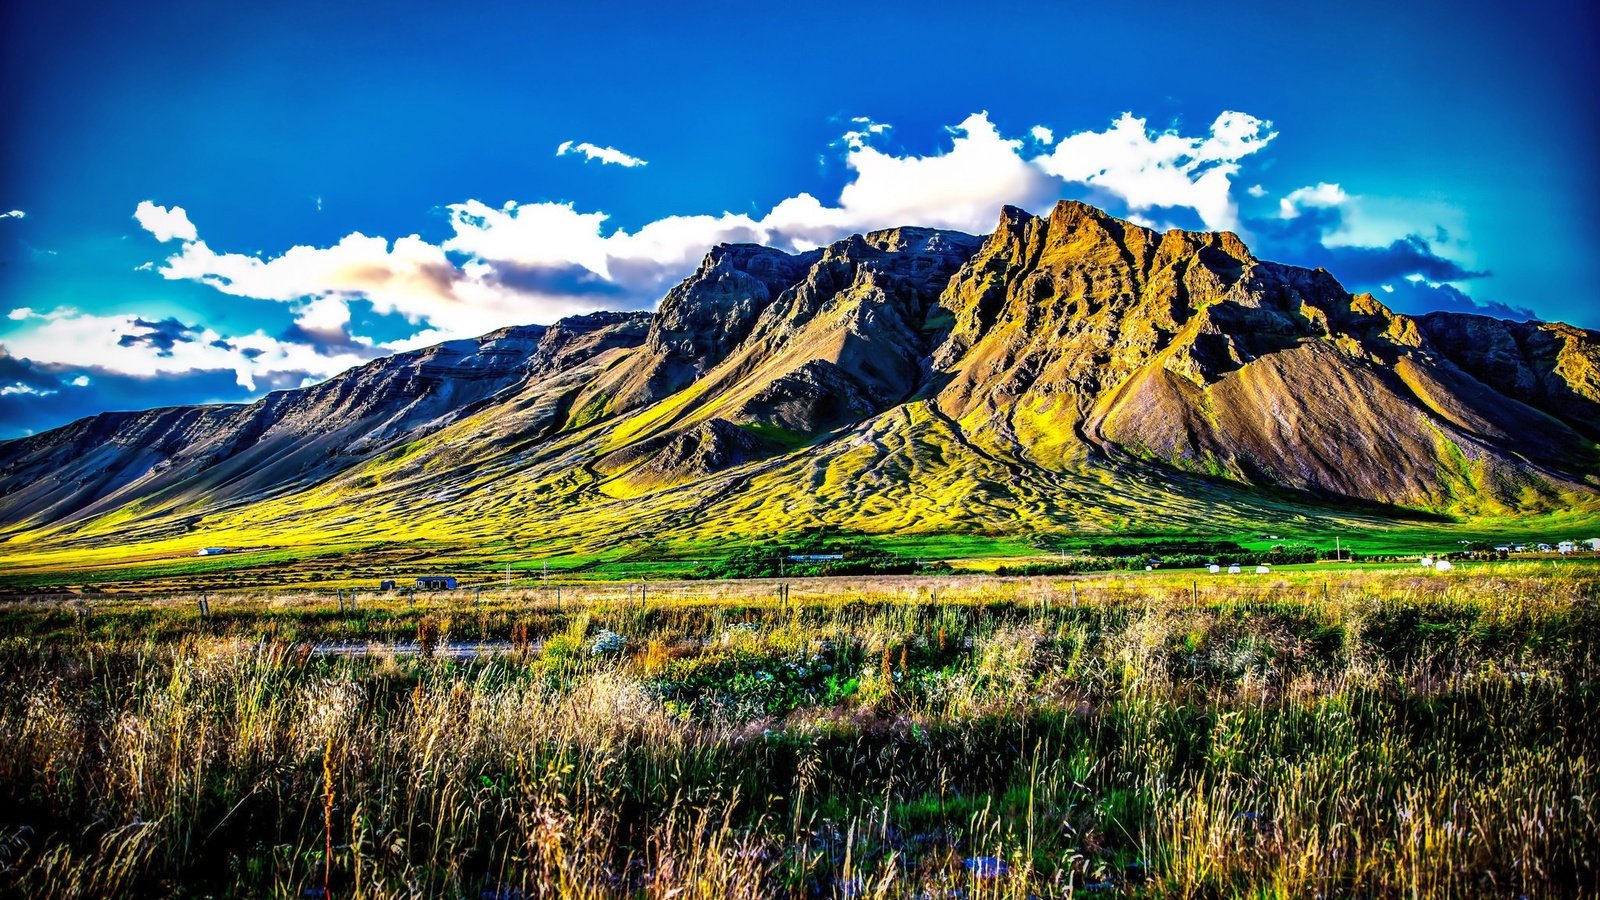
[1322, 731]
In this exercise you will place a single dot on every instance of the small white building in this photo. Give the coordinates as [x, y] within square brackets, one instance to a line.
[1443, 565]
[1594, 544]
[1213, 568]
[1543, 548]
[211, 551]
[1263, 569]
[1566, 547]
[1233, 570]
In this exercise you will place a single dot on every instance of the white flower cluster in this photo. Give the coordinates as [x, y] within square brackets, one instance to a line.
[607, 642]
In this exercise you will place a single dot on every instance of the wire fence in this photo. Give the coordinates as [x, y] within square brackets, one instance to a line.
[1243, 591]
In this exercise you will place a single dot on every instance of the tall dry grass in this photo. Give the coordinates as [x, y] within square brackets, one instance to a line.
[1386, 738]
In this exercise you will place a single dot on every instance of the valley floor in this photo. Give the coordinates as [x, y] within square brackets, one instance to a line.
[1371, 731]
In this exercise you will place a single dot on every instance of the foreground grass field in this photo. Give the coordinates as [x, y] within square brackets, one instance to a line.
[1379, 733]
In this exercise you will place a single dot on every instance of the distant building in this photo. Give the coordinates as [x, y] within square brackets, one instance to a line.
[211, 551]
[1543, 548]
[436, 583]
[816, 557]
[1503, 548]
[387, 585]
[1566, 547]
[1594, 544]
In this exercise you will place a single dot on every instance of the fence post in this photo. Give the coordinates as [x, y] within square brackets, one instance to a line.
[340, 595]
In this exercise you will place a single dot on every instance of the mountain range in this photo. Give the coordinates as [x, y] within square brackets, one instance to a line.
[1072, 371]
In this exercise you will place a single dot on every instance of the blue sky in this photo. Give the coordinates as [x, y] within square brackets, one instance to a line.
[203, 202]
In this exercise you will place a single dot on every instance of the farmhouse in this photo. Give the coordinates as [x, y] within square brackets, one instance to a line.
[211, 551]
[1566, 547]
[1594, 544]
[436, 583]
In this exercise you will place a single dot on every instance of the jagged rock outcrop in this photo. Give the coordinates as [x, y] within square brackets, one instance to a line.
[1077, 336]
[1549, 365]
[700, 322]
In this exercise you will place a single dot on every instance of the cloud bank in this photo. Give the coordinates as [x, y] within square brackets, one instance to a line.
[515, 262]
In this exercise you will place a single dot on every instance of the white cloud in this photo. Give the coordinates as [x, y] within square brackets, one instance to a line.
[166, 224]
[606, 155]
[80, 381]
[1256, 190]
[13, 214]
[856, 138]
[20, 313]
[515, 263]
[1042, 134]
[130, 345]
[26, 389]
[1321, 195]
[1149, 170]
[410, 277]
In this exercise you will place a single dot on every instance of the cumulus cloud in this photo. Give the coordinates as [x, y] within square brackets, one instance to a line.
[21, 388]
[533, 262]
[13, 214]
[1321, 195]
[131, 345]
[166, 224]
[1323, 225]
[514, 263]
[610, 156]
[1149, 170]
